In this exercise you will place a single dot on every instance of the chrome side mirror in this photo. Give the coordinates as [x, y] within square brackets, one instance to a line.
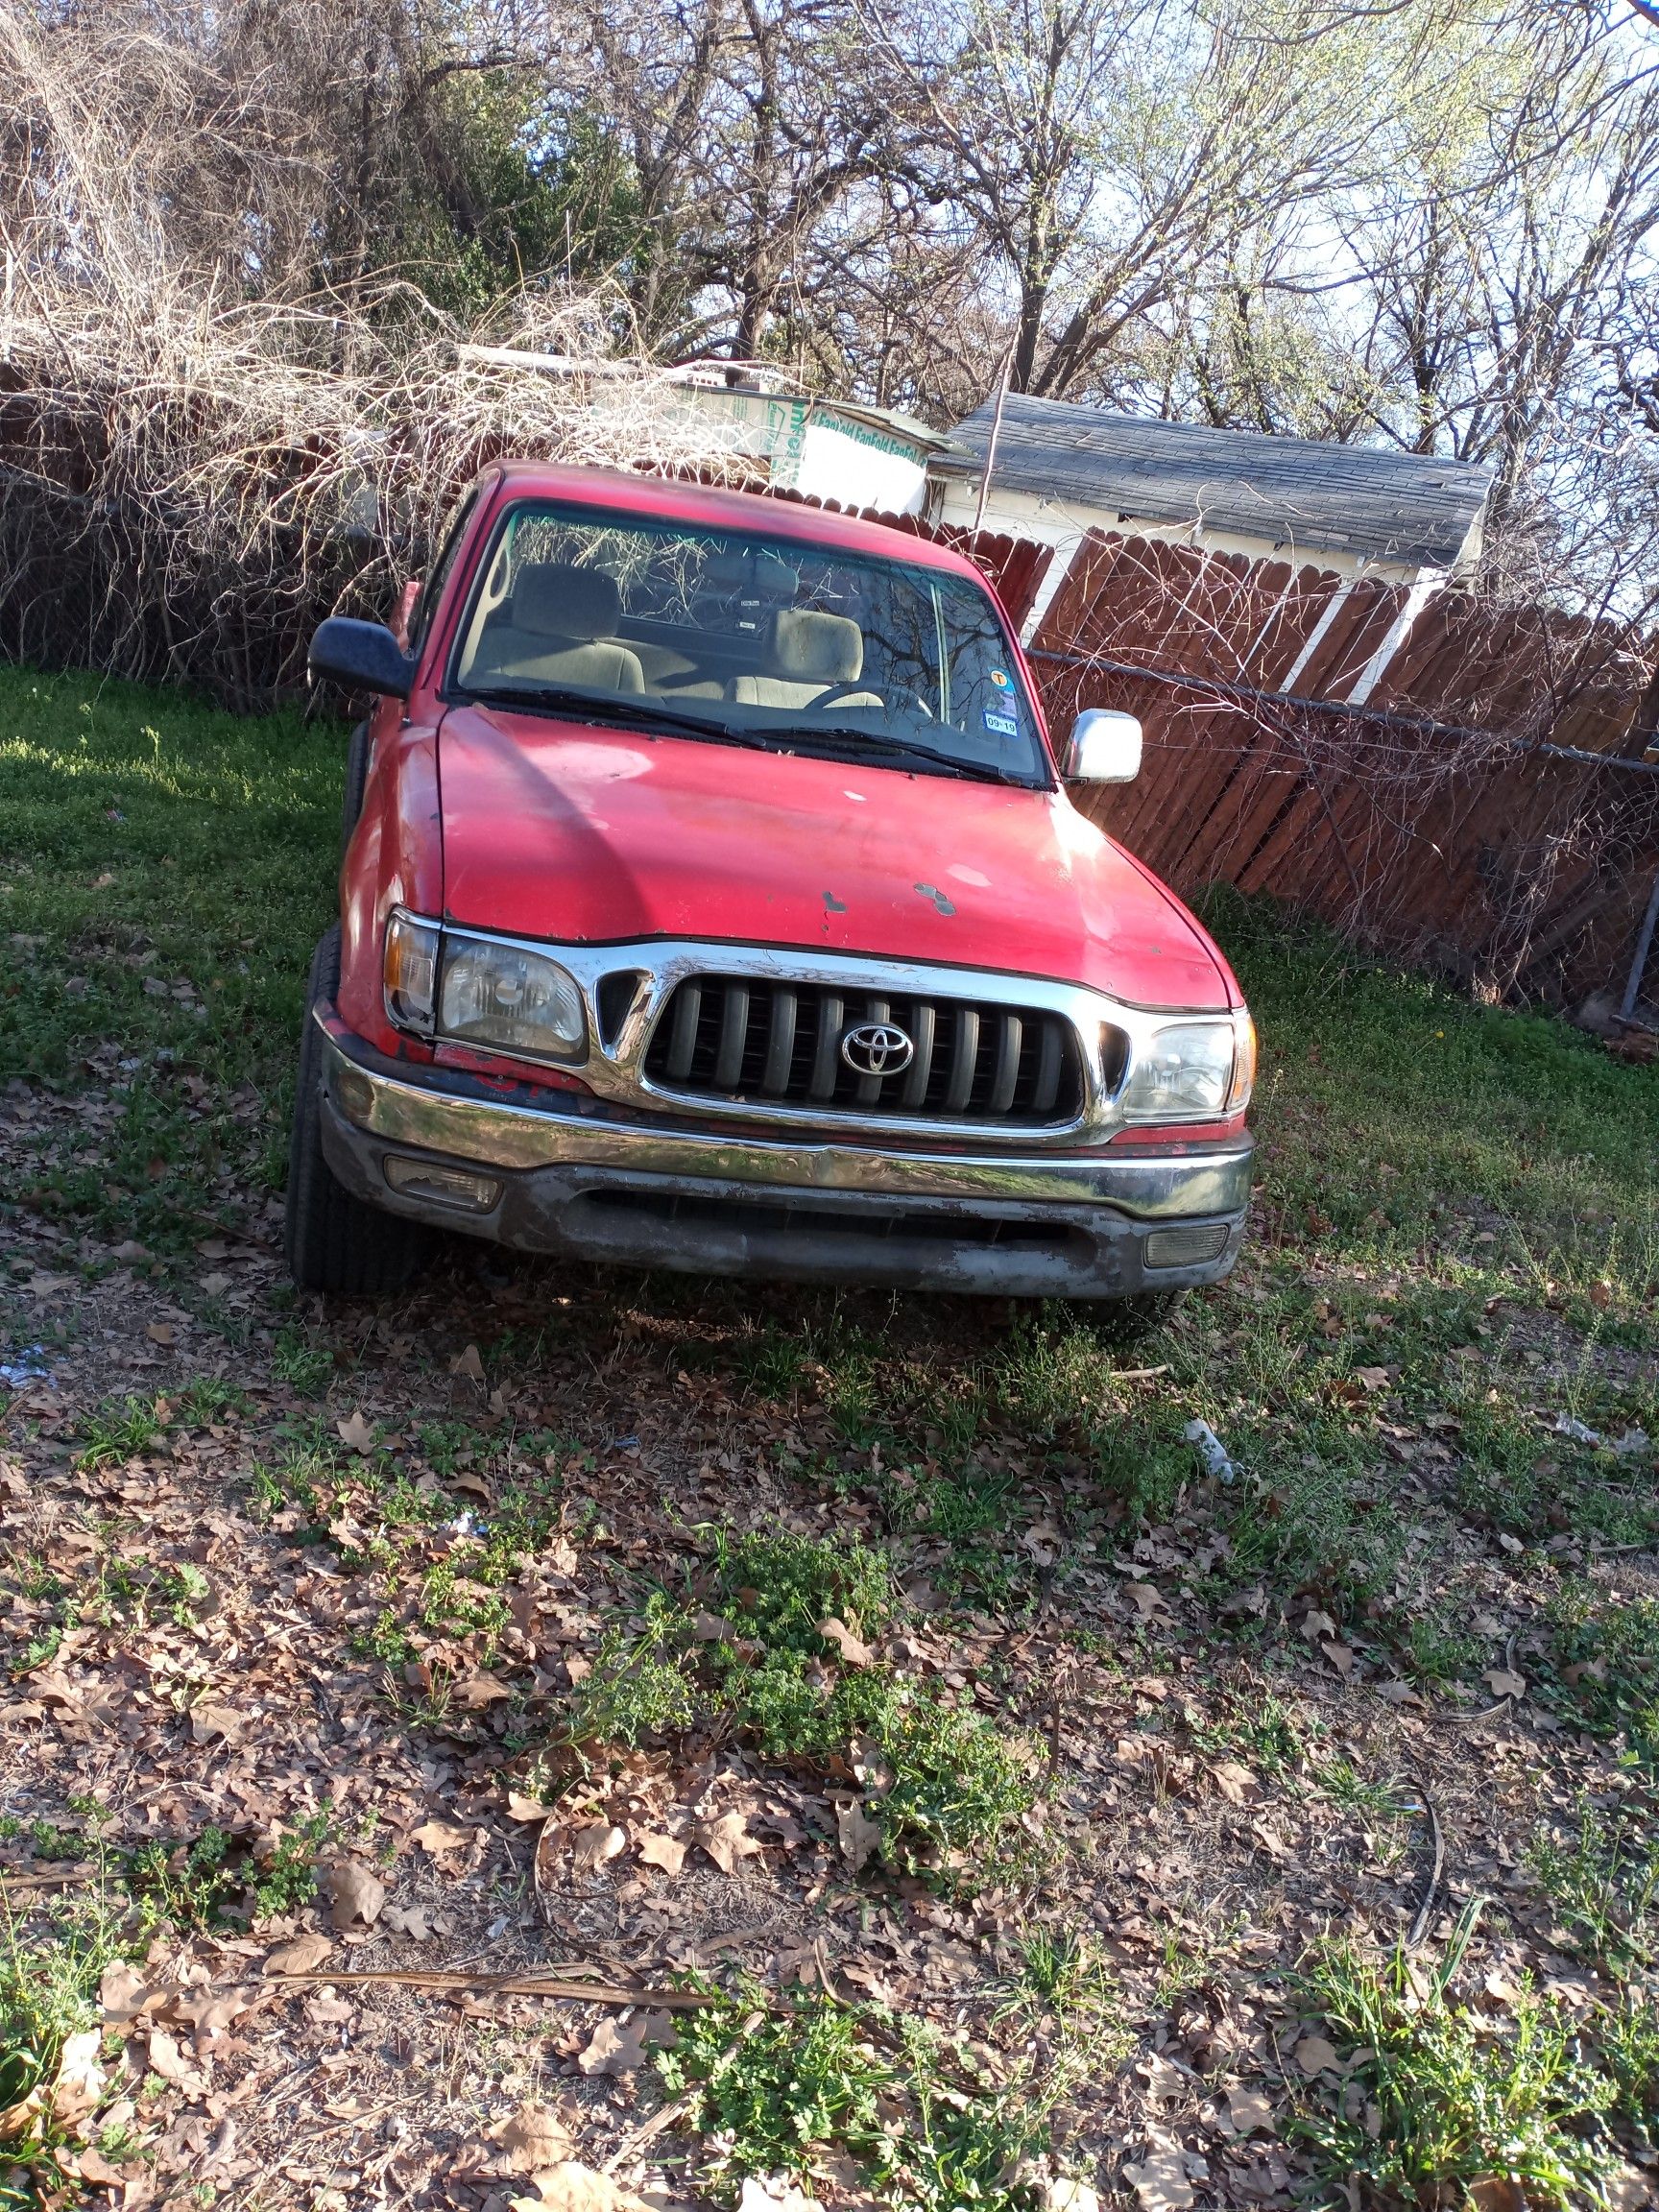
[1105, 747]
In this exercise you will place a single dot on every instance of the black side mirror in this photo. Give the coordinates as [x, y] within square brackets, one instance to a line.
[362, 655]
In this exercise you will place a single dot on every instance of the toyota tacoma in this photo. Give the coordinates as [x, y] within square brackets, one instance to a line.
[713, 899]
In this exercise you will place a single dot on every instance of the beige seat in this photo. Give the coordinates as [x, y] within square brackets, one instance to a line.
[803, 655]
[558, 627]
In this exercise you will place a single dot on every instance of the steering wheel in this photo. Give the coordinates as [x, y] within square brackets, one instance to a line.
[838, 692]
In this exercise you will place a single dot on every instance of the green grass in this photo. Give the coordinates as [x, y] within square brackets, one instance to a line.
[166, 869]
[1436, 2096]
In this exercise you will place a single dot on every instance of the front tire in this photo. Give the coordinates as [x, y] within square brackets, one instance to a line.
[332, 1241]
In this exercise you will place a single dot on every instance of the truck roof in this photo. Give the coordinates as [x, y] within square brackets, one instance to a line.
[724, 510]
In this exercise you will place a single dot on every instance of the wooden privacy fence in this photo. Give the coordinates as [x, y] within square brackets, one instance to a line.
[1464, 785]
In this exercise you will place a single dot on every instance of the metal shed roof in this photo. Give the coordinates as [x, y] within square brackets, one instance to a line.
[1367, 500]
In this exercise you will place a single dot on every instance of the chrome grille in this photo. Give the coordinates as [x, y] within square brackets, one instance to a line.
[751, 1041]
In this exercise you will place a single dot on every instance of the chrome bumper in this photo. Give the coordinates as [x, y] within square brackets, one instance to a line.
[1153, 1188]
[597, 1182]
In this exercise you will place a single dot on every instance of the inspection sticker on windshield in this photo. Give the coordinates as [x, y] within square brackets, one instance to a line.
[1001, 678]
[1001, 725]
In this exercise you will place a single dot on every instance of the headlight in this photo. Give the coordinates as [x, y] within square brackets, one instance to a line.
[510, 999]
[1184, 1069]
[412, 972]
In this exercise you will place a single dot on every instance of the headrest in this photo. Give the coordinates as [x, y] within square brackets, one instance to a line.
[812, 648]
[553, 600]
[751, 575]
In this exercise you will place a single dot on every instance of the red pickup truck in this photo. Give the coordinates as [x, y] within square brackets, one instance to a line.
[712, 900]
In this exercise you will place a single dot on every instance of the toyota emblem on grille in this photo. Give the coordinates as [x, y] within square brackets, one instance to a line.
[877, 1048]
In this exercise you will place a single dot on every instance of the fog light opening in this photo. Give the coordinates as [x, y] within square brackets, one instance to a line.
[455, 1187]
[1186, 1247]
[354, 1094]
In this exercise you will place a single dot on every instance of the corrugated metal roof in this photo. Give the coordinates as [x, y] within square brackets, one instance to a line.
[1371, 501]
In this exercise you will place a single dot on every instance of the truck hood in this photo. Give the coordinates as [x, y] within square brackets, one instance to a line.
[565, 832]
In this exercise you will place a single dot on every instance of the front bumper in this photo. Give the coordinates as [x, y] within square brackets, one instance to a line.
[566, 1172]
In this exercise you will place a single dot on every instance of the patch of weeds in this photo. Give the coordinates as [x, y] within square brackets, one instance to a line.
[303, 1364]
[1628, 2036]
[1603, 1664]
[188, 1884]
[942, 1782]
[1344, 1785]
[1602, 1883]
[387, 1640]
[1063, 1977]
[287, 1880]
[1254, 1725]
[48, 1996]
[1440, 2096]
[209, 1401]
[118, 1430]
[637, 1690]
[781, 1587]
[784, 2093]
[451, 1604]
[778, 2093]
[1431, 1650]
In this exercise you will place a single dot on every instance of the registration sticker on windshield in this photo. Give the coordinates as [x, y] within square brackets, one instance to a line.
[1001, 725]
[1001, 678]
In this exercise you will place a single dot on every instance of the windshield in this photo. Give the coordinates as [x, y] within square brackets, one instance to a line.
[750, 638]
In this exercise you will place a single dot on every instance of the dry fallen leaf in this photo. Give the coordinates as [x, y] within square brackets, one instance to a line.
[661, 1851]
[209, 1720]
[1249, 2111]
[124, 1995]
[1315, 2055]
[355, 1432]
[304, 1956]
[474, 1691]
[437, 1836]
[523, 1808]
[726, 1840]
[1504, 1684]
[1146, 1597]
[1161, 2183]
[161, 1333]
[613, 2049]
[773, 2193]
[534, 2138]
[353, 1892]
[595, 1846]
[1373, 1378]
[1318, 1624]
[1236, 1782]
[1340, 1656]
[569, 2186]
[852, 1648]
[1497, 2193]
[469, 1363]
[1065, 2194]
[1166, 2084]
[861, 1837]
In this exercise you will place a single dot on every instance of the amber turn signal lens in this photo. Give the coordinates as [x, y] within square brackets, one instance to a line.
[1243, 1061]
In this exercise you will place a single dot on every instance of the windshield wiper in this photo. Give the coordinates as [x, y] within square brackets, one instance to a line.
[848, 734]
[604, 707]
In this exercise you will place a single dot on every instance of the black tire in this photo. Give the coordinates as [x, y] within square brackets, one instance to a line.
[332, 1241]
[356, 776]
